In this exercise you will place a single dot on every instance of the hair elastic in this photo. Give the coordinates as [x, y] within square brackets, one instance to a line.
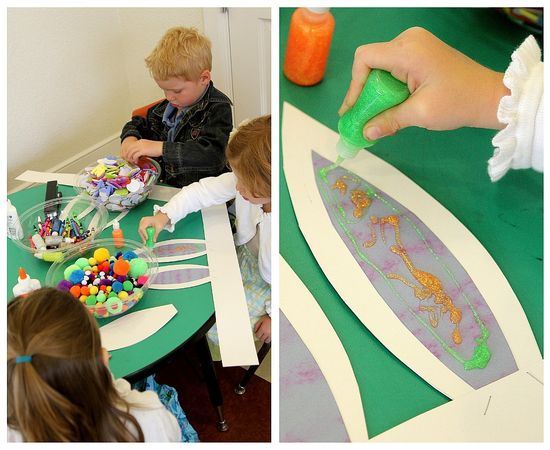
[23, 359]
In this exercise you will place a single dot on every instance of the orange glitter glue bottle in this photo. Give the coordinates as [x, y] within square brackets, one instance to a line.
[118, 236]
[308, 46]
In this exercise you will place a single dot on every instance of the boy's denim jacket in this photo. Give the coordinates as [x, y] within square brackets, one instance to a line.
[200, 138]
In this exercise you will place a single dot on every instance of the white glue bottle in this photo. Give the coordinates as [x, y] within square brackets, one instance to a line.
[15, 231]
[25, 284]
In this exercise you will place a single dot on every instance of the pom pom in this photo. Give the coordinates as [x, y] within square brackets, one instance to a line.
[82, 263]
[117, 286]
[142, 280]
[70, 269]
[138, 267]
[127, 285]
[100, 255]
[64, 285]
[76, 276]
[128, 256]
[75, 291]
[121, 267]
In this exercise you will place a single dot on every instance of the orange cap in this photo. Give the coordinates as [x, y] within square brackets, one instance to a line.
[22, 273]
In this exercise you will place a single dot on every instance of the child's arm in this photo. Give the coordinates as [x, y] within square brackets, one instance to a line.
[138, 139]
[262, 329]
[448, 89]
[201, 194]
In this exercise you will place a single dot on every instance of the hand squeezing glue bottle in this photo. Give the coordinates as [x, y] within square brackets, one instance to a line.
[381, 91]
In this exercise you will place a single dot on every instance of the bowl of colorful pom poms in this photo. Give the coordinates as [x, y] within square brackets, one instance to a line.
[118, 184]
[109, 280]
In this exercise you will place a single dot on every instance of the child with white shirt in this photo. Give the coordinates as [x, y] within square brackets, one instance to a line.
[59, 386]
[249, 155]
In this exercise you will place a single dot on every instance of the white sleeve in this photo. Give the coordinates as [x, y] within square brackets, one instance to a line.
[520, 144]
[201, 194]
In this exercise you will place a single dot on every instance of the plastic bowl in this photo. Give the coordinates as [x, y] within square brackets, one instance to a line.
[118, 184]
[62, 275]
[91, 218]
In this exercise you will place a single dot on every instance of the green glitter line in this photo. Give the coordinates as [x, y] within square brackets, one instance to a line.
[483, 329]
[481, 354]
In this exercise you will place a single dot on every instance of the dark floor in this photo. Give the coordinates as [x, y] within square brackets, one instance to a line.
[248, 415]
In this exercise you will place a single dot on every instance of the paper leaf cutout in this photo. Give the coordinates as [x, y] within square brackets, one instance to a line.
[135, 327]
[179, 249]
[180, 276]
[416, 275]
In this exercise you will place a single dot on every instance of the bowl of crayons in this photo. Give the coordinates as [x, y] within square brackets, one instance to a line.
[118, 184]
[108, 276]
[52, 228]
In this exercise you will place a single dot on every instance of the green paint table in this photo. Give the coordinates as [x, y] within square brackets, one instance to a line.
[506, 217]
[195, 306]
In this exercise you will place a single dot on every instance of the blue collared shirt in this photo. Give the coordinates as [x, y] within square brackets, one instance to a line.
[171, 117]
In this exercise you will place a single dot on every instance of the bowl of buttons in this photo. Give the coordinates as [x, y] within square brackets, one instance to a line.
[118, 184]
[107, 279]
[52, 229]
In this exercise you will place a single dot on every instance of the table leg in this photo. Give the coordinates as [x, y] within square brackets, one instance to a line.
[212, 383]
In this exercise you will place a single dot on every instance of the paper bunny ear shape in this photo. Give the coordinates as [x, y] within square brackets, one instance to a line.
[421, 282]
[179, 249]
[135, 327]
[180, 276]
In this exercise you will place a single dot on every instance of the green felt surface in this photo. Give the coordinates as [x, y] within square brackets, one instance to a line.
[195, 305]
[506, 217]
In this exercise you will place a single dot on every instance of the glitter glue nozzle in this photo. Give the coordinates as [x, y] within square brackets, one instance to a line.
[381, 92]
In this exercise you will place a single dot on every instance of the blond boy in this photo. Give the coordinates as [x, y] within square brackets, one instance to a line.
[188, 131]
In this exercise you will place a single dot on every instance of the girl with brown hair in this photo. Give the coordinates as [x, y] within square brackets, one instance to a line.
[249, 155]
[59, 384]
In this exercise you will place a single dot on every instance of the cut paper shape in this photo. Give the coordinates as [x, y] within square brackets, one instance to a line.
[135, 327]
[508, 410]
[180, 276]
[307, 318]
[232, 321]
[301, 135]
[416, 275]
[179, 249]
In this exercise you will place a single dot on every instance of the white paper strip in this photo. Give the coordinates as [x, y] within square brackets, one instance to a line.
[234, 331]
[163, 193]
[311, 324]
[508, 410]
[135, 327]
[159, 249]
[301, 134]
[181, 285]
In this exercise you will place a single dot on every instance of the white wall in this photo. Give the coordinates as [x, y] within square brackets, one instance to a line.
[75, 74]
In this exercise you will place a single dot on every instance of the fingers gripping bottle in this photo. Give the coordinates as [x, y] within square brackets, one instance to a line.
[381, 91]
[308, 46]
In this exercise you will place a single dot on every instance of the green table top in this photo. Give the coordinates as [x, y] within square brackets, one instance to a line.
[195, 305]
[506, 217]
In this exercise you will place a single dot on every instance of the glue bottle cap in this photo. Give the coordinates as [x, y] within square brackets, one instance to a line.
[116, 225]
[22, 273]
[345, 149]
[319, 10]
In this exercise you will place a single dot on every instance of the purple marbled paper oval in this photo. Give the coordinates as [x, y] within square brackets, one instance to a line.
[417, 276]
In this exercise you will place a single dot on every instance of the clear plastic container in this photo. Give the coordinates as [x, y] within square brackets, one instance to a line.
[116, 305]
[118, 184]
[86, 219]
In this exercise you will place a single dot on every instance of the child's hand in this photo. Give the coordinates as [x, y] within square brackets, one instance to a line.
[158, 221]
[132, 149]
[448, 89]
[263, 329]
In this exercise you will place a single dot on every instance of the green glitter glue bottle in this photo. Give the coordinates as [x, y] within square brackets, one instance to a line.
[381, 91]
